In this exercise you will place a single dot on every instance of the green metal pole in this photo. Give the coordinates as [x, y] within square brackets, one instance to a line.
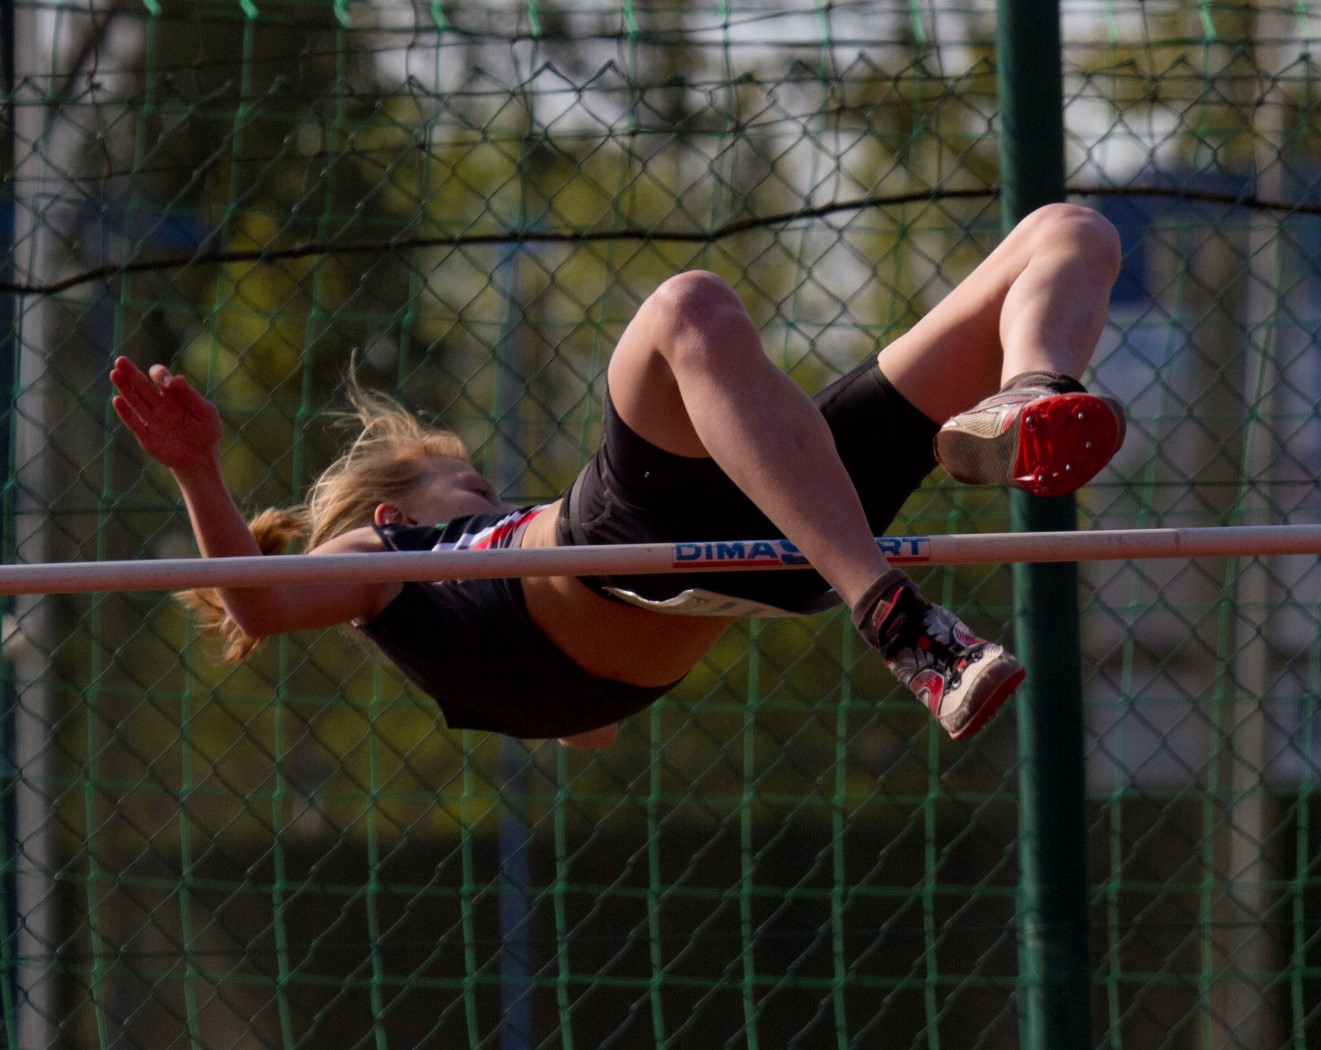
[1054, 989]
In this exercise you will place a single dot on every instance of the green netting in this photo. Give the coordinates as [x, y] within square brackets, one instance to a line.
[465, 205]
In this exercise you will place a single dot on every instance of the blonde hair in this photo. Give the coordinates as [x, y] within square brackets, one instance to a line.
[387, 459]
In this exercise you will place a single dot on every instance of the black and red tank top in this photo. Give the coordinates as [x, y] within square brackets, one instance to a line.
[473, 647]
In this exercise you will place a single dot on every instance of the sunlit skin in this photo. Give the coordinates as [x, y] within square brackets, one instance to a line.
[690, 376]
[453, 488]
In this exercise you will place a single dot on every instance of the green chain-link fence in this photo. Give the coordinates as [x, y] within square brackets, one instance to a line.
[463, 205]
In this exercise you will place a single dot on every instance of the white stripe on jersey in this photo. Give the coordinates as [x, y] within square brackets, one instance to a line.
[493, 535]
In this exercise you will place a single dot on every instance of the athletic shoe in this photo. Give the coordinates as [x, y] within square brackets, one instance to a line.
[962, 679]
[1046, 442]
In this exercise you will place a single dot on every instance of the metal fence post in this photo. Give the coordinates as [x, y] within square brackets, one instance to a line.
[10, 844]
[1054, 989]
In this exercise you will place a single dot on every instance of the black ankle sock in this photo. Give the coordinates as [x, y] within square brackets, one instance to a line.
[872, 615]
[1056, 381]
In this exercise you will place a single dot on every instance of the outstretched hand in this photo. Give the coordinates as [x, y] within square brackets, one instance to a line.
[173, 423]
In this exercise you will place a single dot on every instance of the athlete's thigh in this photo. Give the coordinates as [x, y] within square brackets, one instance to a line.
[690, 349]
[644, 391]
[952, 355]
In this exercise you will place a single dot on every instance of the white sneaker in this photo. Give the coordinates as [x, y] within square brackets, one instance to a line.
[962, 679]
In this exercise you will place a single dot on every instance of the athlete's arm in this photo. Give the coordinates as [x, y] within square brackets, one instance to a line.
[180, 429]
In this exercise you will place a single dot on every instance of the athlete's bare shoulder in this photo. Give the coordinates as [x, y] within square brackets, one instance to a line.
[364, 540]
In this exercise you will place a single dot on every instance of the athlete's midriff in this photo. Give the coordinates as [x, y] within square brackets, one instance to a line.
[620, 642]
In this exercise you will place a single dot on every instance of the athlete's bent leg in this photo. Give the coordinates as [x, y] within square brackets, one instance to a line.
[998, 360]
[691, 377]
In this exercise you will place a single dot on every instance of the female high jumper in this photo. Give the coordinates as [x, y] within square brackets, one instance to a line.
[703, 438]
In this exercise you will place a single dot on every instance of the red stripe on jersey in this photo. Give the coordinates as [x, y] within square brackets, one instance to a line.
[494, 535]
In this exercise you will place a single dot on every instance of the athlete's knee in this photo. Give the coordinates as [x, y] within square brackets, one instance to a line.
[1083, 233]
[699, 319]
[694, 295]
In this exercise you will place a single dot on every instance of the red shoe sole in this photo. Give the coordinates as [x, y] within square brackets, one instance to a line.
[1063, 442]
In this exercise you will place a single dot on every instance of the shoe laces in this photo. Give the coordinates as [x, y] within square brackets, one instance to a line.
[910, 632]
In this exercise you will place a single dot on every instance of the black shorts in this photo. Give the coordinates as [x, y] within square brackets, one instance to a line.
[634, 492]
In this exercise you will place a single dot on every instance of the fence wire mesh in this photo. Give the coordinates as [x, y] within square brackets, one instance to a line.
[463, 206]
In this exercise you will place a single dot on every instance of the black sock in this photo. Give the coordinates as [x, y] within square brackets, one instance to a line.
[1056, 381]
[888, 600]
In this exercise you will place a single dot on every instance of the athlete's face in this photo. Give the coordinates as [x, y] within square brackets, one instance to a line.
[449, 489]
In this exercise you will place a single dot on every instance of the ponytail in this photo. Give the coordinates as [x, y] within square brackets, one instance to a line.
[274, 529]
[389, 456]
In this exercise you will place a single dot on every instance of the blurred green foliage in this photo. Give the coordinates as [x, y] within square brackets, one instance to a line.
[382, 226]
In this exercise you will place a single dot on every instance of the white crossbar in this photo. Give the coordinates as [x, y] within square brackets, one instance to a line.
[648, 558]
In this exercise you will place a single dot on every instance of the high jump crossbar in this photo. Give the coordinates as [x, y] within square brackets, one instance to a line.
[168, 574]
